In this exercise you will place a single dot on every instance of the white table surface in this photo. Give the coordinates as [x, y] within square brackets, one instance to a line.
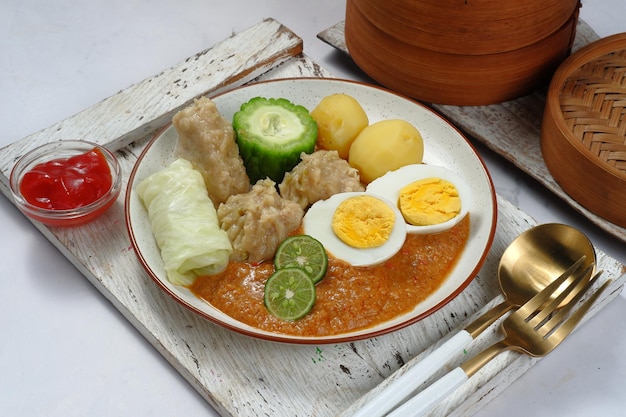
[66, 351]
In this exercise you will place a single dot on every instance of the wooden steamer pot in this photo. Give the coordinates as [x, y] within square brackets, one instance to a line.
[460, 52]
[583, 134]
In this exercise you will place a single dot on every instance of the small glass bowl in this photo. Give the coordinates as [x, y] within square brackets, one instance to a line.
[62, 150]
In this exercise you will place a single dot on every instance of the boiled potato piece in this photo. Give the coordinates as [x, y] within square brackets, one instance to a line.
[340, 118]
[385, 146]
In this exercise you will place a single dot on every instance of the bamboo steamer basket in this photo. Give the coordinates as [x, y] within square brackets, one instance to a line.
[469, 27]
[583, 134]
[486, 72]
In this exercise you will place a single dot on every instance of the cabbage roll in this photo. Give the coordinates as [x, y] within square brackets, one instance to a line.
[184, 223]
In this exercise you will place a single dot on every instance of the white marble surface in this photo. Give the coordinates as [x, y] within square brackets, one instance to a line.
[65, 351]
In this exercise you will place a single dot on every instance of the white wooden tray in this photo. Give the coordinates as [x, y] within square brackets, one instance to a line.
[238, 375]
[511, 129]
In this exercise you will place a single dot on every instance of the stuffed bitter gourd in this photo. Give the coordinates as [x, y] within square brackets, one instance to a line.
[271, 134]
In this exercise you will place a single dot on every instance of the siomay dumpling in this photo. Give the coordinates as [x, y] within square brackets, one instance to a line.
[184, 223]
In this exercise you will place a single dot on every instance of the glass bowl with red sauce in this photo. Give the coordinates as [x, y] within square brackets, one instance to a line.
[66, 183]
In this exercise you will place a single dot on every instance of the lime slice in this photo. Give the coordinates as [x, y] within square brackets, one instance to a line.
[289, 294]
[304, 252]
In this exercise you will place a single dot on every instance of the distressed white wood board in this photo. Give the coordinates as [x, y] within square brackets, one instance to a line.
[236, 374]
[512, 129]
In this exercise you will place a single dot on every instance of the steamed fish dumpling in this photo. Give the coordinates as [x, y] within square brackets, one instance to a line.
[184, 223]
[207, 140]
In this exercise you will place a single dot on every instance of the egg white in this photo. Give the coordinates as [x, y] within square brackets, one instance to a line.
[317, 223]
[390, 184]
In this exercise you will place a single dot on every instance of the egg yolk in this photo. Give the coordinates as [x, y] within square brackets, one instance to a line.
[363, 222]
[429, 201]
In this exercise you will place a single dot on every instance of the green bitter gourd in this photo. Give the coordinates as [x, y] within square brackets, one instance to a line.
[271, 134]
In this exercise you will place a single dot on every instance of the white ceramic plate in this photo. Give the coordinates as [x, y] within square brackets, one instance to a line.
[443, 145]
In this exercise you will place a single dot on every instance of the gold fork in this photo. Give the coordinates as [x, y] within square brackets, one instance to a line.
[531, 330]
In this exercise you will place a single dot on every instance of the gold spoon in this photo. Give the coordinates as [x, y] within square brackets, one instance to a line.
[530, 263]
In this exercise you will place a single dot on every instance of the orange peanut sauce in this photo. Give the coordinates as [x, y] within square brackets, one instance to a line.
[348, 298]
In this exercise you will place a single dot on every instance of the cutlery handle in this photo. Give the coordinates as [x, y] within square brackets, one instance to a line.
[427, 399]
[395, 392]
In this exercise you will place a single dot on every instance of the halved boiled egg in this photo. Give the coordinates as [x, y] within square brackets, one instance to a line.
[431, 198]
[360, 228]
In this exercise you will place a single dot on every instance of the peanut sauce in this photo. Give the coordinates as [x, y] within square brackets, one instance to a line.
[348, 298]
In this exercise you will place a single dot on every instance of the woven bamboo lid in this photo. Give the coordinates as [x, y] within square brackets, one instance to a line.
[583, 136]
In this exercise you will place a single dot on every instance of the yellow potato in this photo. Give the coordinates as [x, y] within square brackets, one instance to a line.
[340, 118]
[385, 146]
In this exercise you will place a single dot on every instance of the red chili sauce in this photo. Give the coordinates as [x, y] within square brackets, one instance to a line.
[64, 184]
[348, 298]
